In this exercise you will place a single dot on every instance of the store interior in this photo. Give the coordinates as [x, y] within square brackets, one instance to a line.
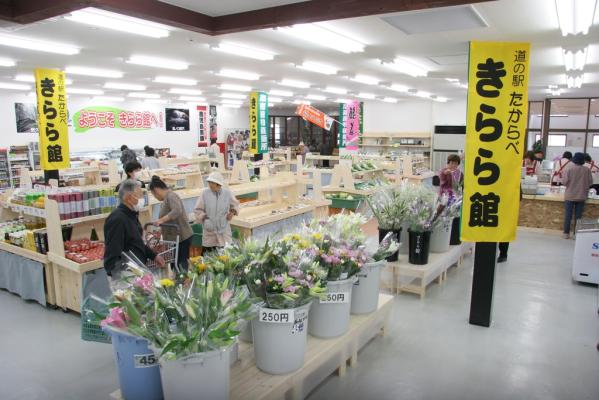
[183, 73]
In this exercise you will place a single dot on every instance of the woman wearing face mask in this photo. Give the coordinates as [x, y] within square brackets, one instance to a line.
[172, 211]
[133, 171]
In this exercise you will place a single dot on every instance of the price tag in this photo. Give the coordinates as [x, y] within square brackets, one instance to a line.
[336, 298]
[277, 316]
[145, 360]
[299, 324]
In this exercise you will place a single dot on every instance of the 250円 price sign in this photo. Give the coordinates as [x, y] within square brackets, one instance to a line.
[496, 124]
[53, 119]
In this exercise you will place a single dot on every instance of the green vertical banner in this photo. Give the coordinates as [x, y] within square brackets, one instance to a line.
[258, 122]
[341, 130]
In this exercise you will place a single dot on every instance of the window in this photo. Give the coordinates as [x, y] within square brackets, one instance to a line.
[537, 137]
[595, 140]
[557, 141]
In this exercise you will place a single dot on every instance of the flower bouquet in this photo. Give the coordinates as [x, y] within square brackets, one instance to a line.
[423, 210]
[389, 208]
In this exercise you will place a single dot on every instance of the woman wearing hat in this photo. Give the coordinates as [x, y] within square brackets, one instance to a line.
[214, 210]
[577, 180]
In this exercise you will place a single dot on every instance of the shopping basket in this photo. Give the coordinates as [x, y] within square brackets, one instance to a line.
[167, 249]
[92, 311]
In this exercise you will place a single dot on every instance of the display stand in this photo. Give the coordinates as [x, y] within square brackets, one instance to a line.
[384, 143]
[240, 173]
[315, 196]
[343, 180]
[415, 168]
[90, 175]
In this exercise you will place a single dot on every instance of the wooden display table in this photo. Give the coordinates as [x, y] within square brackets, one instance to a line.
[401, 276]
[547, 211]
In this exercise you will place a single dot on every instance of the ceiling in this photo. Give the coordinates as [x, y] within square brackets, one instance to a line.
[444, 53]
[226, 7]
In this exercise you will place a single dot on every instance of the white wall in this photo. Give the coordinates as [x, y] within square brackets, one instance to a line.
[180, 143]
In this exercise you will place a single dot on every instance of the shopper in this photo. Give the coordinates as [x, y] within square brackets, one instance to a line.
[450, 177]
[215, 209]
[594, 168]
[213, 152]
[559, 167]
[172, 211]
[127, 155]
[132, 171]
[150, 161]
[577, 180]
[123, 233]
[302, 151]
[533, 167]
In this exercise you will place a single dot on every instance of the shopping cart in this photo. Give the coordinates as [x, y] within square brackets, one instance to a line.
[167, 249]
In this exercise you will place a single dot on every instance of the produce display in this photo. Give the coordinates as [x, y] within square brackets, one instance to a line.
[363, 166]
[342, 196]
[371, 184]
[84, 250]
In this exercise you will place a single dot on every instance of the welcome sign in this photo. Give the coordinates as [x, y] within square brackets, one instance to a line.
[116, 118]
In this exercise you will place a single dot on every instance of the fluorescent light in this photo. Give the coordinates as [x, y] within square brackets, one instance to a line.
[336, 90]
[284, 93]
[407, 67]
[7, 62]
[123, 86]
[318, 34]
[343, 101]
[158, 62]
[235, 88]
[302, 102]
[96, 92]
[233, 73]
[233, 95]
[452, 80]
[39, 45]
[31, 79]
[14, 86]
[365, 79]
[192, 92]
[295, 83]
[88, 71]
[175, 81]
[274, 99]
[316, 97]
[574, 81]
[193, 99]
[390, 100]
[230, 105]
[399, 88]
[156, 101]
[108, 98]
[441, 99]
[552, 86]
[228, 101]
[575, 59]
[575, 16]
[463, 85]
[144, 95]
[244, 51]
[422, 94]
[366, 95]
[32, 94]
[118, 22]
[318, 67]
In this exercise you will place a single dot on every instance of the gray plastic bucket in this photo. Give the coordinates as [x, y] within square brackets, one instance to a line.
[246, 333]
[404, 247]
[330, 317]
[440, 237]
[202, 376]
[365, 294]
[279, 341]
[234, 353]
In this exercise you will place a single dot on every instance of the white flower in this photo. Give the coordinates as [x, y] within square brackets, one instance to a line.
[258, 282]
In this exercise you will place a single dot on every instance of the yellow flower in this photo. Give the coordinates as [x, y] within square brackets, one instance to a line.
[296, 237]
[317, 236]
[223, 258]
[167, 283]
[304, 244]
[195, 260]
[201, 267]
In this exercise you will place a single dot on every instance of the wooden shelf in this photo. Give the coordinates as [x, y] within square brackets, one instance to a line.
[263, 216]
[32, 255]
[259, 186]
[402, 135]
[89, 218]
[321, 158]
[369, 171]
[73, 266]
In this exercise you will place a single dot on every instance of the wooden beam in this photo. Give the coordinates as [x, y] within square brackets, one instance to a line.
[29, 11]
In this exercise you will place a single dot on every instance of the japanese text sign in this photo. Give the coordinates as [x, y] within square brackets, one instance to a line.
[258, 122]
[351, 116]
[115, 118]
[53, 119]
[496, 124]
[315, 116]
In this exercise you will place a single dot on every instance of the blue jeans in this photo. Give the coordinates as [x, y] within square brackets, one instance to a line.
[578, 206]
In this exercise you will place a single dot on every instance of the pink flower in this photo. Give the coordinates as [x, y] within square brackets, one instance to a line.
[116, 318]
[295, 273]
[279, 279]
[225, 296]
[145, 283]
[290, 289]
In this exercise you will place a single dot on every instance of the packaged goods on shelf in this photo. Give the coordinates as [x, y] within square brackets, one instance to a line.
[84, 250]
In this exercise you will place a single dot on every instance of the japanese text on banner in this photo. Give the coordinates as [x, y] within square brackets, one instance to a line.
[53, 119]
[496, 125]
[351, 118]
[258, 123]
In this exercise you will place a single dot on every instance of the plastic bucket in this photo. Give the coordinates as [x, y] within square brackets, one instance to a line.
[280, 339]
[202, 376]
[234, 353]
[455, 232]
[419, 247]
[404, 247]
[330, 317]
[382, 234]
[246, 333]
[440, 237]
[137, 367]
[365, 294]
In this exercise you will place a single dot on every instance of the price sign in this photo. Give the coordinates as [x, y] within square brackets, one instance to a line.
[334, 298]
[277, 316]
[299, 324]
[145, 360]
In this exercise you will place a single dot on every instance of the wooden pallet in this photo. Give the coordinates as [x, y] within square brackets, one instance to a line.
[323, 357]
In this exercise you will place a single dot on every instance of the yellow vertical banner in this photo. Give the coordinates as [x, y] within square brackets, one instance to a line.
[254, 123]
[495, 133]
[53, 119]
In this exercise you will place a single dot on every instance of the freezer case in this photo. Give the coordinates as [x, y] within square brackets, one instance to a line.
[585, 267]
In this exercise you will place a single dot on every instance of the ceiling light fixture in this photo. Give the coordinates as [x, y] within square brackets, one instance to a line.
[441, 99]
[229, 101]
[192, 92]
[316, 97]
[369, 96]
[7, 62]
[95, 92]
[31, 79]
[39, 45]
[318, 67]
[156, 101]
[244, 51]
[175, 81]
[233, 96]
[233, 73]
[335, 90]
[390, 100]
[399, 88]
[108, 98]
[235, 88]
[230, 105]
[575, 59]
[14, 86]
[422, 94]
[193, 99]
[365, 79]
[119, 22]
[575, 16]
[318, 34]
[158, 62]
[295, 83]
[343, 101]
[144, 95]
[407, 67]
[574, 81]
[88, 71]
[452, 80]
[284, 93]
[123, 86]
